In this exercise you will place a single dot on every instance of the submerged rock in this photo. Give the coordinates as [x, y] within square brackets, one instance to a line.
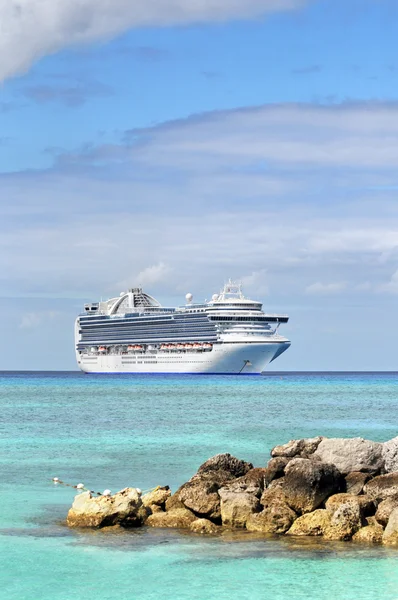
[124, 508]
[354, 454]
[307, 483]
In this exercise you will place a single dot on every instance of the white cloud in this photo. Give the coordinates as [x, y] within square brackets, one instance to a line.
[31, 29]
[326, 288]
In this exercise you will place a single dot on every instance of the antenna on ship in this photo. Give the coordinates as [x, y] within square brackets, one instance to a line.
[189, 298]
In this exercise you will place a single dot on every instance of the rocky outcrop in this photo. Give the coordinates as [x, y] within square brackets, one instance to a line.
[390, 535]
[226, 462]
[314, 523]
[366, 505]
[308, 483]
[385, 509]
[204, 526]
[345, 521]
[297, 448]
[276, 466]
[382, 487]
[276, 518]
[355, 482]
[390, 455]
[156, 499]
[355, 454]
[240, 498]
[124, 508]
[179, 517]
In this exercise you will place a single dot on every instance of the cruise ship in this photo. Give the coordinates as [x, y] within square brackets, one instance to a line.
[133, 333]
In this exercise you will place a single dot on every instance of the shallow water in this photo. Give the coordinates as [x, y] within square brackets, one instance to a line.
[114, 431]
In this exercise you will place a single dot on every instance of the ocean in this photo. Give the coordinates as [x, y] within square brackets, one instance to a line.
[118, 431]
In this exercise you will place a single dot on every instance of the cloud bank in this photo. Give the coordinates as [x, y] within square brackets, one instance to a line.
[31, 29]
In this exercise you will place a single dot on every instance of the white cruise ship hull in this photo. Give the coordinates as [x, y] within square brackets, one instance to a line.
[225, 358]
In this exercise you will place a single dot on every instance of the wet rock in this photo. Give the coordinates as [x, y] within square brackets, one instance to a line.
[276, 466]
[200, 493]
[308, 483]
[344, 522]
[275, 518]
[382, 487]
[179, 517]
[390, 535]
[355, 482]
[385, 509]
[365, 504]
[302, 448]
[225, 462]
[204, 526]
[313, 523]
[371, 534]
[156, 499]
[354, 454]
[124, 508]
[390, 455]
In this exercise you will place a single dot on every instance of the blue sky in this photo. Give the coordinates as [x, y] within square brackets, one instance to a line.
[175, 145]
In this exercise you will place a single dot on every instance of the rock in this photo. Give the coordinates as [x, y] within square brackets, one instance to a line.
[355, 482]
[276, 466]
[354, 454]
[157, 498]
[371, 534]
[204, 526]
[302, 448]
[276, 518]
[390, 455]
[179, 517]
[173, 503]
[254, 482]
[365, 504]
[124, 508]
[313, 523]
[390, 535]
[344, 522]
[382, 487]
[200, 493]
[307, 484]
[226, 462]
[385, 509]
[236, 507]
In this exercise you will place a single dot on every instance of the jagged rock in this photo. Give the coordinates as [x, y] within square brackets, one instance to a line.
[173, 502]
[313, 523]
[225, 462]
[276, 518]
[301, 448]
[355, 482]
[204, 526]
[308, 483]
[123, 508]
[179, 517]
[156, 499]
[254, 482]
[385, 509]
[354, 454]
[390, 535]
[200, 493]
[276, 466]
[236, 507]
[382, 487]
[371, 534]
[344, 522]
[390, 455]
[365, 504]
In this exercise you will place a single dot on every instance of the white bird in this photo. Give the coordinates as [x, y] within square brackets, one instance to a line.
[106, 493]
[80, 486]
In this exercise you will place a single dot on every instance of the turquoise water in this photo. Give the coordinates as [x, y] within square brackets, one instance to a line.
[118, 431]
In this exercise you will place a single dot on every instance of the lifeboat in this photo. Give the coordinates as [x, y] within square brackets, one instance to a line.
[170, 347]
[197, 346]
[180, 346]
[102, 349]
[188, 346]
[207, 346]
[164, 347]
[130, 348]
[138, 348]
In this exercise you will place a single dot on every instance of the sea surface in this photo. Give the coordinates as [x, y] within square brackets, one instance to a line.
[116, 431]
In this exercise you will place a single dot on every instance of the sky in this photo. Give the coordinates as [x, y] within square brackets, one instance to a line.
[174, 144]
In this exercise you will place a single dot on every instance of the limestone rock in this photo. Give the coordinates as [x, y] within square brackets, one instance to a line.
[308, 483]
[301, 448]
[371, 534]
[365, 504]
[313, 523]
[226, 462]
[390, 535]
[385, 509]
[124, 508]
[204, 526]
[173, 502]
[344, 522]
[390, 455]
[355, 482]
[254, 482]
[354, 454]
[276, 466]
[179, 517]
[236, 507]
[157, 498]
[200, 493]
[276, 518]
[382, 487]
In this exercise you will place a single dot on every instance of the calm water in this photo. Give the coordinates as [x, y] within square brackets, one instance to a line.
[118, 431]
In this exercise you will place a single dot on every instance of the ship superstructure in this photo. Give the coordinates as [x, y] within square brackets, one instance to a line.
[229, 334]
